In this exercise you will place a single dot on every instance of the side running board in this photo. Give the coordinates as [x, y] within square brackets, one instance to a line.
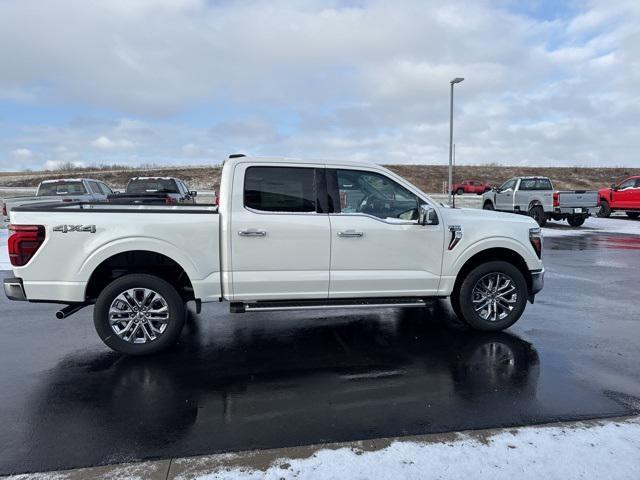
[281, 305]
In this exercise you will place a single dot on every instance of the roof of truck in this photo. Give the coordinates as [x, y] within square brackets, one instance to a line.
[311, 161]
[57, 180]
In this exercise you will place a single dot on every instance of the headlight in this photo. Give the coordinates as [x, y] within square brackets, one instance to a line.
[535, 237]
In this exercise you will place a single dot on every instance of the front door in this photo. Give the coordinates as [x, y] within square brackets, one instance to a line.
[279, 239]
[625, 195]
[377, 247]
[504, 197]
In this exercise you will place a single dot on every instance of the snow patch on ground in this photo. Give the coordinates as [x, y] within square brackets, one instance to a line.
[601, 450]
[621, 225]
[4, 253]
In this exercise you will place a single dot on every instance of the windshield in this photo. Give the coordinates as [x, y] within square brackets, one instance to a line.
[61, 188]
[152, 185]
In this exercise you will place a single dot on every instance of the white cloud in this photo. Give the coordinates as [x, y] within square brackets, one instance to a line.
[364, 80]
[21, 154]
[105, 143]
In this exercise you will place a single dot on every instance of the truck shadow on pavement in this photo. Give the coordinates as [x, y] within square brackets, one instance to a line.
[279, 380]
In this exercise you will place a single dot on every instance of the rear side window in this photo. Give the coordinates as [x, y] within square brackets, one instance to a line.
[535, 184]
[61, 188]
[280, 189]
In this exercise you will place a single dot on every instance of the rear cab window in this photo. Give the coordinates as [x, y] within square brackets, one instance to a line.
[152, 185]
[535, 184]
[61, 188]
[280, 189]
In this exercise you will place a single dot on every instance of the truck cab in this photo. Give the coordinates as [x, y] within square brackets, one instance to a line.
[624, 196]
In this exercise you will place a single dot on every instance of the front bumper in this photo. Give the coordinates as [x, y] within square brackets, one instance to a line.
[537, 283]
[14, 290]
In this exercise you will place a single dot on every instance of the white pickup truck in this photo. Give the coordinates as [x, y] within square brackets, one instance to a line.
[288, 234]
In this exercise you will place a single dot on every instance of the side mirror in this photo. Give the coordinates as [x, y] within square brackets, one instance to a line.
[614, 186]
[193, 193]
[427, 215]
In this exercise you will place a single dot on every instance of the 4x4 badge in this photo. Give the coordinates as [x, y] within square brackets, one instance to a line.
[75, 228]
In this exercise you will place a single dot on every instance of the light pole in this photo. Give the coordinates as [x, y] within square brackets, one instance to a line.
[453, 82]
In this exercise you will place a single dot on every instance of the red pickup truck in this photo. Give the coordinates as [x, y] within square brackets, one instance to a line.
[623, 196]
[470, 186]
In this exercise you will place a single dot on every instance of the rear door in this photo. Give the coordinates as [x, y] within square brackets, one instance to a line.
[279, 232]
[377, 247]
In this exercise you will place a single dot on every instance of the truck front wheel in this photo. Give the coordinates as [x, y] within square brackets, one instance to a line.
[139, 314]
[605, 209]
[491, 297]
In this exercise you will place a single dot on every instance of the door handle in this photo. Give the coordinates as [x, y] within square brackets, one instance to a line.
[350, 233]
[252, 232]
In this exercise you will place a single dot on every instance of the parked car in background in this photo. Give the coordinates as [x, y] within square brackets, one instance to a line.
[624, 196]
[289, 234]
[470, 186]
[536, 197]
[155, 190]
[61, 190]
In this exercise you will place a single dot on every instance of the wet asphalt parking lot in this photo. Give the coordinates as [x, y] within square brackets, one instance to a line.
[238, 382]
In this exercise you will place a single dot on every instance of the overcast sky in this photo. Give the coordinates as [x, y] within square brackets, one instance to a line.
[190, 81]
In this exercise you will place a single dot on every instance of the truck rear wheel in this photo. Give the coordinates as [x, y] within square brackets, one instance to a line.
[460, 191]
[491, 297]
[576, 220]
[633, 214]
[605, 209]
[537, 213]
[139, 314]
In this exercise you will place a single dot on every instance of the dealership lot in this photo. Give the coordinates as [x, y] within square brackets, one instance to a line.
[238, 382]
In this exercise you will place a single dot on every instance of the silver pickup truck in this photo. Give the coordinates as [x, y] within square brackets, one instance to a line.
[61, 190]
[535, 196]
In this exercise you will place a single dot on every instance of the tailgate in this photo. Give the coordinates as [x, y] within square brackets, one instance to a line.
[578, 198]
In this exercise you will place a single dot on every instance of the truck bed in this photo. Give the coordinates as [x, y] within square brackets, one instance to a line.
[102, 230]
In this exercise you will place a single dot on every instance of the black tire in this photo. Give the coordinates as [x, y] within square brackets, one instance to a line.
[460, 191]
[463, 298]
[605, 209]
[576, 220]
[633, 214]
[163, 291]
[488, 206]
[537, 213]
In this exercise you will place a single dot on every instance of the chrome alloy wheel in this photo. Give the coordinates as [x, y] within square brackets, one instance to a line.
[139, 315]
[494, 296]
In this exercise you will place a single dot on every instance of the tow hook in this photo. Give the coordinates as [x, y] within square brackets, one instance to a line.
[70, 310]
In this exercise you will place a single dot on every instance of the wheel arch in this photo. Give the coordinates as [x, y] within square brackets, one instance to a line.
[492, 254]
[139, 261]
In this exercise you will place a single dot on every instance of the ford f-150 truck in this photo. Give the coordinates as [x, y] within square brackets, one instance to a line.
[61, 190]
[288, 234]
[535, 196]
[623, 196]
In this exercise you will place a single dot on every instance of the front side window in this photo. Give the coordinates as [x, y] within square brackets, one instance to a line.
[280, 189]
[628, 183]
[509, 184]
[374, 194]
[105, 190]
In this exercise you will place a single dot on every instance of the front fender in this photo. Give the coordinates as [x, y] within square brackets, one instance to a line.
[453, 267]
